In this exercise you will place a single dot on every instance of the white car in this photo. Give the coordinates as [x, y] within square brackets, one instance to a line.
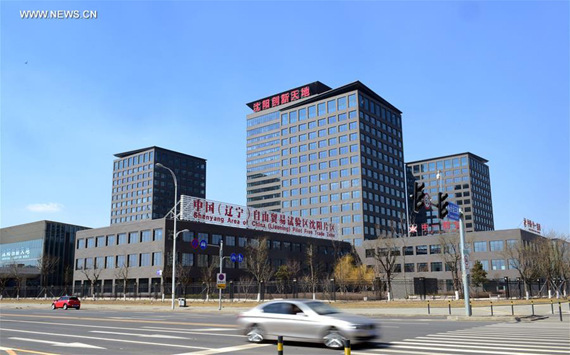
[306, 320]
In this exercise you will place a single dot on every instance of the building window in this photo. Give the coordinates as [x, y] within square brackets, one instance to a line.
[122, 237]
[110, 262]
[145, 259]
[187, 259]
[230, 240]
[423, 267]
[101, 241]
[435, 249]
[120, 261]
[496, 245]
[511, 243]
[498, 264]
[157, 259]
[242, 242]
[202, 260]
[133, 237]
[133, 260]
[91, 242]
[157, 234]
[110, 240]
[408, 251]
[80, 243]
[421, 250]
[216, 239]
[79, 264]
[485, 264]
[436, 266]
[409, 267]
[146, 236]
[480, 246]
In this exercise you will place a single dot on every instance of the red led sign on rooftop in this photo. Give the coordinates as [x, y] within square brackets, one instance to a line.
[288, 96]
[281, 99]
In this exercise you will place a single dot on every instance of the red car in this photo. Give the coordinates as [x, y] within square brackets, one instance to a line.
[66, 302]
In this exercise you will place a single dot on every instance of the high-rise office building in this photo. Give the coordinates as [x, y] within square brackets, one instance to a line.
[330, 154]
[141, 190]
[465, 178]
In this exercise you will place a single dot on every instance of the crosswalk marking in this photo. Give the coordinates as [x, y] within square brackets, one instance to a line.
[494, 339]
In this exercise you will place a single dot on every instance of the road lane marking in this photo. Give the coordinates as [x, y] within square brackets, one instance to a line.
[498, 338]
[57, 343]
[227, 350]
[439, 340]
[164, 330]
[475, 351]
[123, 320]
[139, 335]
[187, 330]
[458, 347]
[11, 351]
[107, 339]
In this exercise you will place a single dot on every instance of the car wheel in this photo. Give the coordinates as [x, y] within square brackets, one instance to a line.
[53, 306]
[255, 334]
[65, 306]
[78, 307]
[333, 339]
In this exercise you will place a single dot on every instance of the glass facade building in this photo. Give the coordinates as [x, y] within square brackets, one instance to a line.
[140, 191]
[23, 249]
[465, 178]
[334, 155]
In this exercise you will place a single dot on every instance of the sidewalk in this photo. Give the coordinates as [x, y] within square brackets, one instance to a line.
[521, 312]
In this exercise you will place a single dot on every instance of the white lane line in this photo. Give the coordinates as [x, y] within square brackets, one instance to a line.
[163, 330]
[106, 339]
[191, 329]
[57, 343]
[480, 347]
[466, 341]
[188, 331]
[395, 351]
[139, 335]
[227, 350]
[475, 351]
[500, 338]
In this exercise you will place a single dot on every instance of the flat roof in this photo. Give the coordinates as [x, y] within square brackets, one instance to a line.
[136, 151]
[357, 85]
[449, 156]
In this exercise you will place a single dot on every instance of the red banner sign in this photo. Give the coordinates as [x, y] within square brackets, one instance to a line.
[213, 212]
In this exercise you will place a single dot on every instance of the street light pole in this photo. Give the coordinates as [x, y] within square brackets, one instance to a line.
[221, 263]
[174, 233]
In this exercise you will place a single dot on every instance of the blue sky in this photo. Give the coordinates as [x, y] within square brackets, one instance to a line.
[491, 78]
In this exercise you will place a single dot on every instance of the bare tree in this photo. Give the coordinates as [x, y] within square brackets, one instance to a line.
[18, 276]
[314, 265]
[451, 255]
[525, 258]
[46, 266]
[386, 254]
[67, 278]
[92, 275]
[122, 273]
[207, 275]
[184, 275]
[257, 262]
[554, 265]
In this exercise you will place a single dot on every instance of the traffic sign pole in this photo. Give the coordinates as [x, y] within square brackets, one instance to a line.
[464, 267]
[221, 263]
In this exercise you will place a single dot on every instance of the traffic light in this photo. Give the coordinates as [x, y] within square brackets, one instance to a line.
[418, 195]
[442, 204]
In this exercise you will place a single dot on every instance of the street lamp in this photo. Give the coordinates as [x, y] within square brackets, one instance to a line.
[174, 233]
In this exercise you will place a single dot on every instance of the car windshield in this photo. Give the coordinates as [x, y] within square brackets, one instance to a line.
[321, 308]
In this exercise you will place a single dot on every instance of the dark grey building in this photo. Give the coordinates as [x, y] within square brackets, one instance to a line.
[143, 191]
[334, 155]
[140, 253]
[47, 247]
[465, 178]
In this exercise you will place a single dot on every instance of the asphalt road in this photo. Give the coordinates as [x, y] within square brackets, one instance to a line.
[38, 331]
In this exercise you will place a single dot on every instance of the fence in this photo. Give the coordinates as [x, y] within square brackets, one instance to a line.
[330, 289]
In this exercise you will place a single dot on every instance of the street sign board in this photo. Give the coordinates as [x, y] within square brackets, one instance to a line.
[233, 257]
[195, 243]
[203, 244]
[221, 280]
[240, 257]
[453, 211]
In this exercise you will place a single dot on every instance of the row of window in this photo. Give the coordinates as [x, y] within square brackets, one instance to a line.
[482, 246]
[380, 111]
[318, 123]
[320, 109]
[133, 160]
[120, 239]
[120, 261]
